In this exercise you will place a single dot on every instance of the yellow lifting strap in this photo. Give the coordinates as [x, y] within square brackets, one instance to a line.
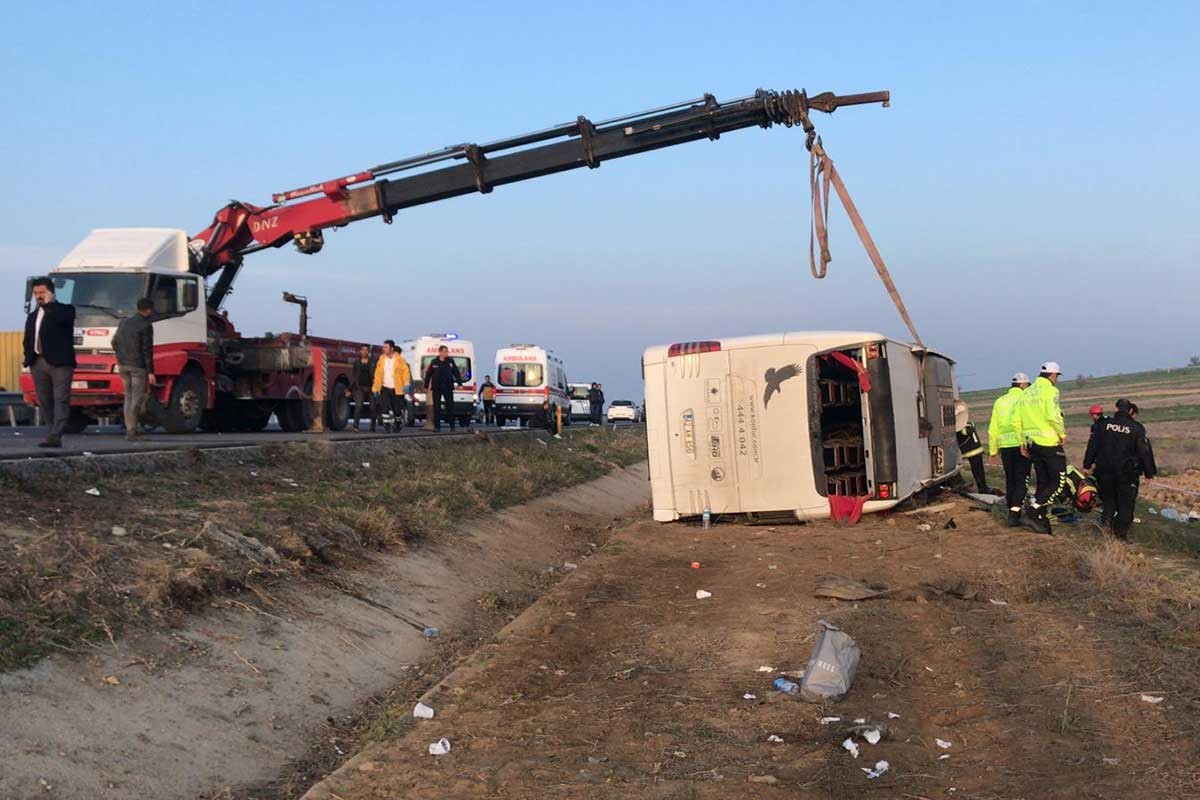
[822, 173]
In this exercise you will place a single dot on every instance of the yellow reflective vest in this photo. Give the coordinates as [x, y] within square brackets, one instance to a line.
[1040, 417]
[1002, 428]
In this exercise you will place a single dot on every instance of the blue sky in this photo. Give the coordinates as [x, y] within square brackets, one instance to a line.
[1034, 186]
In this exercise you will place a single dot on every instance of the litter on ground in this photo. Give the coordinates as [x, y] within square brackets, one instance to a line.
[880, 768]
[850, 746]
[1149, 698]
[942, 743]
[702, 595]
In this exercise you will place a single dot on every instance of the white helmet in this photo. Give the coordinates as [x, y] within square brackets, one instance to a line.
[1052, 367]
[1020, 377]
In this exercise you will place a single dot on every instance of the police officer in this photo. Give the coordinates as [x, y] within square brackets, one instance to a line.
[1122, 456]
[1004, 441]
[1043, 432]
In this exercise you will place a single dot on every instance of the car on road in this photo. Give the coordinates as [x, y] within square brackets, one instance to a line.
[622, 410]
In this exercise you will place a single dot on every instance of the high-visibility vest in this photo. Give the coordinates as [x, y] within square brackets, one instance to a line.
[1040, 417]
[1002, 428]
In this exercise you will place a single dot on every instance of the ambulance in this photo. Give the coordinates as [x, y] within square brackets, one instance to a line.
[424, 349]
[792, 424]
[527, 375]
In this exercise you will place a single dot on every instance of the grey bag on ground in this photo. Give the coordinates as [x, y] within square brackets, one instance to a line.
[831, 666]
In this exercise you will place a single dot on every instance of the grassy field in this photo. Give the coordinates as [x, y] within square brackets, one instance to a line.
[76, 571]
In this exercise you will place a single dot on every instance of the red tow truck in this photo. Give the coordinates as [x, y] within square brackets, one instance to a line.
[209, 375]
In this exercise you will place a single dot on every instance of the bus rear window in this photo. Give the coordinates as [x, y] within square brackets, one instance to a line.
[521, 375]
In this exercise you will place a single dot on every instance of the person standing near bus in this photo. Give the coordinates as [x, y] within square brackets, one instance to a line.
[595, 403]
[392, 377]
[969, 445]
[487, 393]
[441, 376]
[50, 355]
[1042, 433]
[1122, 456]
[1004, 441]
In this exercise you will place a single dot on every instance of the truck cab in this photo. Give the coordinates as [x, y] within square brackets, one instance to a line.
[103, 277]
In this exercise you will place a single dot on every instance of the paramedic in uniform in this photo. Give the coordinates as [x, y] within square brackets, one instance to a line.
[1042, 432]
[392, 377]
[1004, 441]
[1122, 455]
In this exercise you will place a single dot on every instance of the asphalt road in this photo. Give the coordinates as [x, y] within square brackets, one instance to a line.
[22, 442]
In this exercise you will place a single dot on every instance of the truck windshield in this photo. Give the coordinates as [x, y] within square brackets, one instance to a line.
[99, 298]
[464, 365]
[521, 374]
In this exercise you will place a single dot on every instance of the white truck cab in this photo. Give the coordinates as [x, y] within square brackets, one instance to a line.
[527, 376]
[103, 277]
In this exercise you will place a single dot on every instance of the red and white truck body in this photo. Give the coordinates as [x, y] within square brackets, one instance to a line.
[206, 373]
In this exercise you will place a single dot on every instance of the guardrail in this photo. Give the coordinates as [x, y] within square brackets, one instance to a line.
[10, 401]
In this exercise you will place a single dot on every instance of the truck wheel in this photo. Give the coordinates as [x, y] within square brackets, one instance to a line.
[78, 421]
[222, 417]
[337, 408]
[253, 416]
[294, 415]
[185, 408]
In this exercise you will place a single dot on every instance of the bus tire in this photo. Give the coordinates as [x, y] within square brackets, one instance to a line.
[185, 408]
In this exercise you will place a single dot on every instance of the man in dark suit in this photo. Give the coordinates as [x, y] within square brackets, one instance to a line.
[50, 356]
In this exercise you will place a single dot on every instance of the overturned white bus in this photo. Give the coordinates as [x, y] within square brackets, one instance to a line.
[784, 422]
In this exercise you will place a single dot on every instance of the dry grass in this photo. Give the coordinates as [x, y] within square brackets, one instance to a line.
[67, 583]
[1112, 567]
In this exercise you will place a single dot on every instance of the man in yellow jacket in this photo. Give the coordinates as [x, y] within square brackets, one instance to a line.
[1004, 441]
[1042, 433]
[392, 377]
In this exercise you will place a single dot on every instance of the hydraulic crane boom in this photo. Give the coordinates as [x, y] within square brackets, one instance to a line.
[241, 228]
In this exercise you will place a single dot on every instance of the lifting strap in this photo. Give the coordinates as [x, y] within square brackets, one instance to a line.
[822, 173]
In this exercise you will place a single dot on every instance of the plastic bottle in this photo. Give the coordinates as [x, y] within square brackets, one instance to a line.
[1170, 513]
[707, 518]
[430, 632]
[786, 686]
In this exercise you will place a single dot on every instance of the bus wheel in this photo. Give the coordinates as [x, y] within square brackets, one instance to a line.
[185, 409]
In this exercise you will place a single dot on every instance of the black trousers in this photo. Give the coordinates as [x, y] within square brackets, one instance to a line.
[489, 412]
[976, 462]
[1016, 476]
[364, 400]
[53, 387]
[443, 407]
[597, 411]
[1051, 466]
[1118, 494]
[391, 407]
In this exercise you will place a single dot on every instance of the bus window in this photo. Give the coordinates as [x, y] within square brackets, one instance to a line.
[841, 463]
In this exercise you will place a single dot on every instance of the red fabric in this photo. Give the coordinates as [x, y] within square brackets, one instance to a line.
[843, 508]
[864, 380]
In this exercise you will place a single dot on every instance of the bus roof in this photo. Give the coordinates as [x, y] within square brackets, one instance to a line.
[821, 340]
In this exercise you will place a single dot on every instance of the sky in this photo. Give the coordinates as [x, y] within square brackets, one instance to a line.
[1034, 186]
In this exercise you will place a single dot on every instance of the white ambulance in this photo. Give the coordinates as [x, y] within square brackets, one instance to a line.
[783, 423]
[527, 375]
[424, 349]
[581, 407]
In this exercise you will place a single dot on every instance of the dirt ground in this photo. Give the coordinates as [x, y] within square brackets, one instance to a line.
[619, 683]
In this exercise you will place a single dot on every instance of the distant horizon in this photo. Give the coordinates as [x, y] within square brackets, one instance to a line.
[997, 185]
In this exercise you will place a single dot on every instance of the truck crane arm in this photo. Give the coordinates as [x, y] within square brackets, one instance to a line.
[301, 215]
